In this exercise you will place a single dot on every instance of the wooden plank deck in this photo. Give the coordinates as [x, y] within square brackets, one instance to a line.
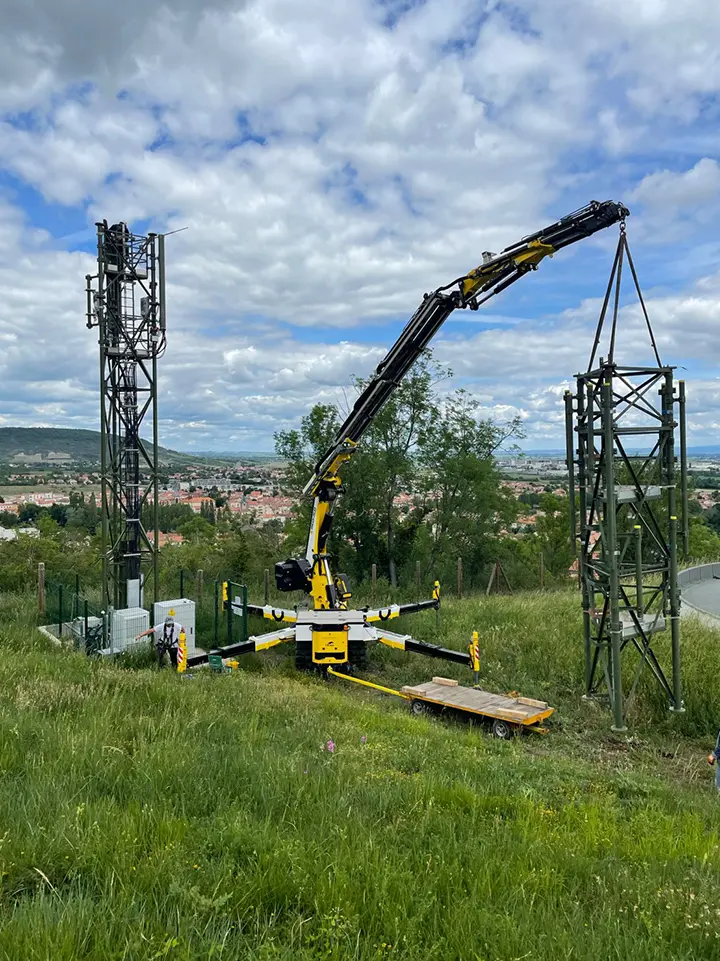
[521, 710]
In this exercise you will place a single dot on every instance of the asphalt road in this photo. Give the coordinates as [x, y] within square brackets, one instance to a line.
[705, 595]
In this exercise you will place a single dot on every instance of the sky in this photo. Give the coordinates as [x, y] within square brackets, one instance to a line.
[333, 162]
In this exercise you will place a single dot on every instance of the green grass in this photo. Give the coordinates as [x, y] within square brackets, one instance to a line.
[147, 815]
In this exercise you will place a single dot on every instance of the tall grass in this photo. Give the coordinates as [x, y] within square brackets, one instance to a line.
[146, 815]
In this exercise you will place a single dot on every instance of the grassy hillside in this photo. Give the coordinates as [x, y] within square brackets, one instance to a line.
[81, 445]
[155, 816]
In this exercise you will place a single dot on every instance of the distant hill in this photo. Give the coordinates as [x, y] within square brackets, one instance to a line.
[241, 456]
[56, 446]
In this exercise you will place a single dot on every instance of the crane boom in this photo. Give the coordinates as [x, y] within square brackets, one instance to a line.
[495, 274]
[312, 573]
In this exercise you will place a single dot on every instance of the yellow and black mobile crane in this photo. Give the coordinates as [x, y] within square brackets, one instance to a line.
[330, 633]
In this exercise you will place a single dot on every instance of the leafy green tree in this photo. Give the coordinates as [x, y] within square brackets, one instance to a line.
[437, 451]
[552, 530]
[198, 530]
[29, 513]
[47, 525]
[387, 464]
[462, 496]
[712, 518]
[207, 511]
[59, 513]
[302, 449]
[704, 541]
[81, 514]
[171, 517]
[367, 521]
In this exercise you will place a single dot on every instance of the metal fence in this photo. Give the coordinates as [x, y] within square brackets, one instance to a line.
[67, 606]
[69, 609]
[70, 614]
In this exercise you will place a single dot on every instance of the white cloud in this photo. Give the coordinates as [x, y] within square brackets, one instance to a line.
[676, 202]
[332, 162]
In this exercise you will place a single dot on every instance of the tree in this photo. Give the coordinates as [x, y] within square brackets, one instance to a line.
[207, 511]
[47, 525]
[704, 541]
[552, 531]
[712, 518]
[171, 517]
[29, 513]
[58, 512]
[367, 520]
[302, 449]
[198, 529]
[439, 452]
[462, 495]
[387, 463]
[82, 515]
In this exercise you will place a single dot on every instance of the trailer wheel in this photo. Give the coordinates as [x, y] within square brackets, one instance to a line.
[502, 730]
[419, 707]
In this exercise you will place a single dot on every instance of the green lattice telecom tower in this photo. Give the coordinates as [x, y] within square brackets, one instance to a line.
[127, 305]
[620, 428]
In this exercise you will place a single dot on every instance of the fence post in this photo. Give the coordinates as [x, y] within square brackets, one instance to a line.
[41, 588]
[244, 612]
[86, 623]
[542, 571]
[182, 582]
[217, 611]
[459, 579]
[60, 610]
[229, 613]
[417, 580]
[200, 585]
[267, 586]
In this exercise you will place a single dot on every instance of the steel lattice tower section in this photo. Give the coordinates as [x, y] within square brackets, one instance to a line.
[620, 429]
[127, 305]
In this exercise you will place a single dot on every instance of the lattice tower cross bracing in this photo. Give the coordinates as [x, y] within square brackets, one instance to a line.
[126, 302]
[620, 429]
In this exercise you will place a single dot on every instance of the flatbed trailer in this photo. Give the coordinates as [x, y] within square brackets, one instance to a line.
[508, 714]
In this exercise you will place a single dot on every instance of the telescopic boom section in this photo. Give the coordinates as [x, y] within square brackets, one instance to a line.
[496, 273]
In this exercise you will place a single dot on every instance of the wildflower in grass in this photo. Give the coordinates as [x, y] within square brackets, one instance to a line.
[331, 746]
[363, 738]
[714, 757]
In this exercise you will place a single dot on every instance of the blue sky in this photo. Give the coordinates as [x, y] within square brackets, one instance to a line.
[333, 162]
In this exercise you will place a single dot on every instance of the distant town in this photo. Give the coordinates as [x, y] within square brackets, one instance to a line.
[249, 489]
[252, 491]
